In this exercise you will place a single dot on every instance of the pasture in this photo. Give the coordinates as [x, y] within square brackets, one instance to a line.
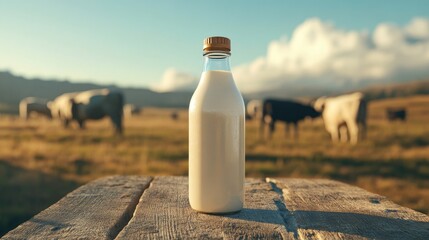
[40, 161]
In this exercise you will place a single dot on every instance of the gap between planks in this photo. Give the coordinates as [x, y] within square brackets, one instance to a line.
[134, 207]
[288, 219]
[287, 216]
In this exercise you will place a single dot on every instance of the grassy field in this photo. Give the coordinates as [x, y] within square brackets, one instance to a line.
[40, 161]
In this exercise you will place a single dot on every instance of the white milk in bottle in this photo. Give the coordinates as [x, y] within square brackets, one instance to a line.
[216, 135]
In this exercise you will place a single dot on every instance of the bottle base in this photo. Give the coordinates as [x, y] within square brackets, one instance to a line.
[228, 212]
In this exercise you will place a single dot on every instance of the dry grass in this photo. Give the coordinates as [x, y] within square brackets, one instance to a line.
[40, 156]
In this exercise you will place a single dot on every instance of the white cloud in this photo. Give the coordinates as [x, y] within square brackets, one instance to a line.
[173, 80]
[319, 54]
[418, 28]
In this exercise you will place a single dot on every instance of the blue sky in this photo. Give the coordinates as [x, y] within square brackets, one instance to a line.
[133, 43]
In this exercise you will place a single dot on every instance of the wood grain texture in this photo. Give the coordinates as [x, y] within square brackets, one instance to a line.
[164, 213]
[98, 210]
[132, 207]
[326, 209]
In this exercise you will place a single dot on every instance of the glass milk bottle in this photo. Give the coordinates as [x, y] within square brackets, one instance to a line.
[216, 135]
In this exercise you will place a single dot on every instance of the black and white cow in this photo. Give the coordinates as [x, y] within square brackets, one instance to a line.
[30, 105]
[90, 105]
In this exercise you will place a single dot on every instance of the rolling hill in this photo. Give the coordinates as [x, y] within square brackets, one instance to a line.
[14, 88]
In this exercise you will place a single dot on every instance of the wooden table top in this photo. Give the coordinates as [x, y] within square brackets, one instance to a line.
[142, 207]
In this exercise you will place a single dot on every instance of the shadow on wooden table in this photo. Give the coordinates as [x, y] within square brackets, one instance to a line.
[24, 193]
[364, 225]
[311, 222]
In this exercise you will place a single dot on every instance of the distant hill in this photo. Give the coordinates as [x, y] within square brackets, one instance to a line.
[372, 92]
[14, 88]
[397, 90]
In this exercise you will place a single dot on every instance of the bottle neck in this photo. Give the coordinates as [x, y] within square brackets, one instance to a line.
[216, 61]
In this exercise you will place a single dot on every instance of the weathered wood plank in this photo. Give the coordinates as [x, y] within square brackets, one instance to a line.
[274, 209]
[98, 210]
[164, 213]
[325, 209]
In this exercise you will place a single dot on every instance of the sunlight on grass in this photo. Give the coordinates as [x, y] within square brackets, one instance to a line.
[392, 161]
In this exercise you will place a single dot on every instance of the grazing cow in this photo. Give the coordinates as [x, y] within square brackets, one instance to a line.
[254, 108]
[174, 115]
[34, 105]
[287, 111]
[131, 110]
[346, 112]
[396, 113]
[93, 104]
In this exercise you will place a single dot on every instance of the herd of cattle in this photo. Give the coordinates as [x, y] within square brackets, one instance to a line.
[80, 107]
[344, 116]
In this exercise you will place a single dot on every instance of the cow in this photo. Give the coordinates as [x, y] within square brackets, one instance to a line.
[288, 111]
[393, 114]
[344, 116]
[131, 110]
[89, 105]
[254, 108]
[174, 115]
[34, 105]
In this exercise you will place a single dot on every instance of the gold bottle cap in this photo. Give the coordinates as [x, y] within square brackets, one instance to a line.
[217, 44]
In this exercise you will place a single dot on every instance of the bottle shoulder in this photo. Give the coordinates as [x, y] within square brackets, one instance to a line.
[217, 91]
